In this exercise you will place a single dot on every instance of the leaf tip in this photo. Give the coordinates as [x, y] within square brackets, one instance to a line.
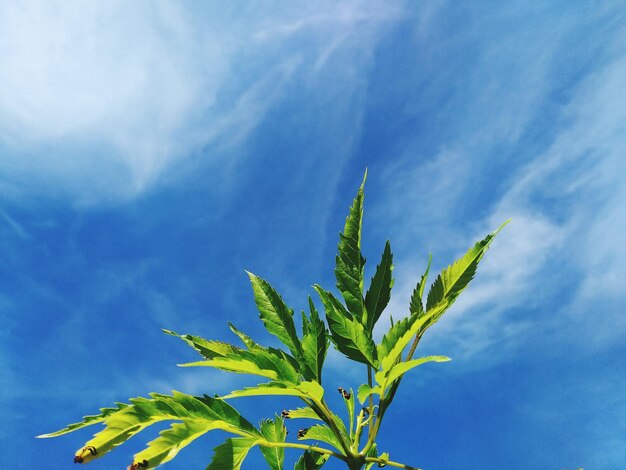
[506, 222]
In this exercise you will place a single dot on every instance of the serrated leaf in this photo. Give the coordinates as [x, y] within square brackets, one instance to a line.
[245, 339]
[87, 421]
[170, 442]
[373, 452]
[403, 336]
[417, 306]
[208, 349]
[304, 390]
[231, 454]
[312, 389]
[303, 413]
[347, 333]
[453, 279]
[379, 292]
[365, 391]
[349, 261]
[321, 432]
[209, 413]
[268, 363]
[390, 339]
[276, 316]
[403, 367]
[311, 460]
[273, 431]
[314, 342]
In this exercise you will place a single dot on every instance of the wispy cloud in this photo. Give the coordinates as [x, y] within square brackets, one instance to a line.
[563, 195]
[147, 83]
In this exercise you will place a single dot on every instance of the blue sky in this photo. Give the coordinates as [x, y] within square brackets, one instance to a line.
[150, 152]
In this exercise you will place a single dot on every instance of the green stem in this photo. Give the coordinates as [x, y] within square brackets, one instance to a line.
[293, 445]
[371, 403]
[384, 403]
[321, 409]
[391, 463]
[414, 345]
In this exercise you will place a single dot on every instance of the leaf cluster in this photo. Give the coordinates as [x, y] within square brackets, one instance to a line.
[296, 369]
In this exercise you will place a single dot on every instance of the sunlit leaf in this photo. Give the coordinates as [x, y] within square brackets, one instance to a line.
[276, 316]
[87, 421]
[321, 433]
[398, 370]
[310, 460]
[347, 333]
[453, 279]
[273, 431]
[349, 261]
[314, 342]
[208, 349]
[231, 454]
[417, 305]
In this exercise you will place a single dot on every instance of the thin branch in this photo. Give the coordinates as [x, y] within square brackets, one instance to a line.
[321, 409]
[293, 445]
[371, 402]
[391, 463]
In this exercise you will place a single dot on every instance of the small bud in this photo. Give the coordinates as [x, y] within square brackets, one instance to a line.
[346, 395]
[86, 454]
[302, 433]
[138, 465]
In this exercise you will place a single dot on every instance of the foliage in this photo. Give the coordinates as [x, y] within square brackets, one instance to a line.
[297, 370]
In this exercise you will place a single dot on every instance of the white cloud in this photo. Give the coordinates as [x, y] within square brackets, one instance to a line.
[566, 203]
[100, 98]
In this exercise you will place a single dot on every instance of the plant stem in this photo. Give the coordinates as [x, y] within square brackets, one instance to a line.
[384, 403]
[371, 403]
[414, 345]
[321, 409]
[391, 463]
[293, 445]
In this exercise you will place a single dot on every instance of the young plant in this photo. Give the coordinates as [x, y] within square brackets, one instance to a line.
[296, 370]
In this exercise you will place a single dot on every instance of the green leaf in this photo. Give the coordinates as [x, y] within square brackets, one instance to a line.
[245, 339]
[268, 363]
[379, 292]
[310, 460]
[373, 452]
[347, 333]
[202, 415]
[170, 442]
[349, 261]
[390, 339]
[417, 305]
[365, 391]
[274, 431]
[321, 432]
[304, 412]
[304, 390]
[403, 336]
[231, 454]
[453, 279]
[276, 316]
[314, 342]
[208, 349]
[87, 421]
[401, 368]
